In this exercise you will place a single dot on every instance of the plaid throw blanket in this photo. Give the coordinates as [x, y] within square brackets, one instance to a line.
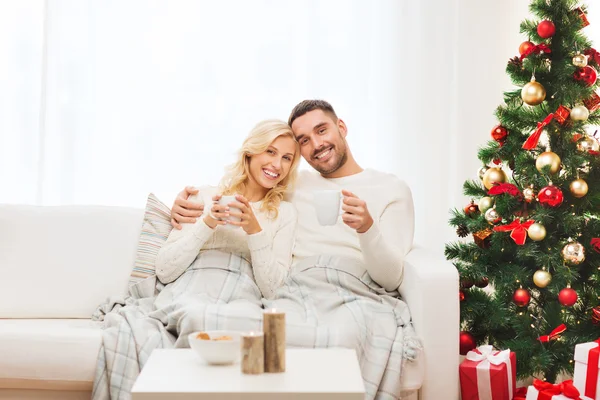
[328, 301]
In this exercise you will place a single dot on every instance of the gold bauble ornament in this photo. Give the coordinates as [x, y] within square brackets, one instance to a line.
[573, 253]
[492, 175]
[578, 188]
[481, 172]
[587, 144]
[542, 278]
[529, 194]
[536, 232]
[579, 113]
[580, 60]
[548, 158]
[533, 93]
[492, 216]
[485, 203]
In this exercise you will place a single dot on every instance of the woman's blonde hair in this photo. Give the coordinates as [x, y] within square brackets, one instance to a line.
[257, 142]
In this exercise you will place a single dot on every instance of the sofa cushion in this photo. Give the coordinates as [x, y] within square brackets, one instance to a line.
[57, 354]
[62, 262]
[155, 231]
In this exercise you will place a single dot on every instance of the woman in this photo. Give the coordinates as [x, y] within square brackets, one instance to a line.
[217, 270]
[265, 170]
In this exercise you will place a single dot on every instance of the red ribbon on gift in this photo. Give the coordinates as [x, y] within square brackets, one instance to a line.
[540, 48]
[559, 330]
[591, 377]
[519, 230]
[533, 140]
[596, 244]
[521, 393]
[547, 390]
[593, 55]
[500, 188]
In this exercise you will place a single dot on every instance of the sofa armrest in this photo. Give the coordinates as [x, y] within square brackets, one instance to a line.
[430, 288]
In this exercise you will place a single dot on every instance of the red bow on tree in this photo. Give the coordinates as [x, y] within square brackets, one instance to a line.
[533, 140]
[596, 244]
[519, 230]
[559, 330]
[593, 55]
[547, 390]
[500, 188]
[540, 48]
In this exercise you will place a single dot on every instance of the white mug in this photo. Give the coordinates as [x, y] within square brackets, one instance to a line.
[328, 206]
[224, 201]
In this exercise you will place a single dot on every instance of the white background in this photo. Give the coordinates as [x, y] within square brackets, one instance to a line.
[102, 102]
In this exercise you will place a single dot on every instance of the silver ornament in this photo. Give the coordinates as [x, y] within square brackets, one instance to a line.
[481, 172]
[492, 216]
[573, 253]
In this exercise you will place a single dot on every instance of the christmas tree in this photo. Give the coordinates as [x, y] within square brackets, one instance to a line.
[535, 212]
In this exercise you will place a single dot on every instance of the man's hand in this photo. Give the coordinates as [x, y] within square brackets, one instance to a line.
[183, 210]
[356, 214]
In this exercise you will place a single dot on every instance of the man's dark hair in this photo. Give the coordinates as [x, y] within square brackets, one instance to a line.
[311, 105]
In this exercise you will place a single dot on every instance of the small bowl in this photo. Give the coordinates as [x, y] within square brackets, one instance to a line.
[217, 352]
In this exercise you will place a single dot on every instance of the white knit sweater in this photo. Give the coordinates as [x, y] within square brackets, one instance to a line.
[269, 251]
[383, 247]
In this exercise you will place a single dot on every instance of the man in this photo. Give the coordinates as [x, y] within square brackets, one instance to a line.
[378, 220]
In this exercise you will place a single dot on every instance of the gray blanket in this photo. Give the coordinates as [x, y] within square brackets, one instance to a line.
[329, 302]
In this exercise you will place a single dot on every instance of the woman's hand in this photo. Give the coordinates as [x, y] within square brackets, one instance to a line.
[248, 220]
[217, 212]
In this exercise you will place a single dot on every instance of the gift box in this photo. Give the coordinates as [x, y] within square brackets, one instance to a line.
[488, 374]
[587, 363]
[541, 390]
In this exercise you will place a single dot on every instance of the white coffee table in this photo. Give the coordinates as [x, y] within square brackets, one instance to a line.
[316, 374]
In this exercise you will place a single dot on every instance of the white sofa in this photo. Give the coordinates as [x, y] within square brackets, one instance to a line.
[58, 263]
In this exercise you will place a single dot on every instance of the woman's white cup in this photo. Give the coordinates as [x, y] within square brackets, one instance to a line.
[224, 201]
[328, 206]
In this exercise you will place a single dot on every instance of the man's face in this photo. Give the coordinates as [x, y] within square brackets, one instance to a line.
[322, 141]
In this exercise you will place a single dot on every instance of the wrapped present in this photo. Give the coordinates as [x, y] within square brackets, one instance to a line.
[541, 390]
[592, 103]
[488, 374]
[587, 363]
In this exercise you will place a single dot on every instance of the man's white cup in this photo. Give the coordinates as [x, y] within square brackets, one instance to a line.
[328, 206]
[224, 201]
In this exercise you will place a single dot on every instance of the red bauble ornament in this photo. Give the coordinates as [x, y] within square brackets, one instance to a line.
[467, 343]
[525, 46]
[550, 196]
[461, 295]
[587, 75]
[466, 283]
[546, 29]
[521, 297]
[499, 134]
[471, 209]
[483, 282]
[567, 297]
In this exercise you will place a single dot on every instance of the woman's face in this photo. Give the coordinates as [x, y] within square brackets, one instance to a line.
[273, 165]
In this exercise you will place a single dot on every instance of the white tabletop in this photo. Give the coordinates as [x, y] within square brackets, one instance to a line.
[316, 374]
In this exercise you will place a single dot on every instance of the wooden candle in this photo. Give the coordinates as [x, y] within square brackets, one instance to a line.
[253, 353]
[274, 330]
